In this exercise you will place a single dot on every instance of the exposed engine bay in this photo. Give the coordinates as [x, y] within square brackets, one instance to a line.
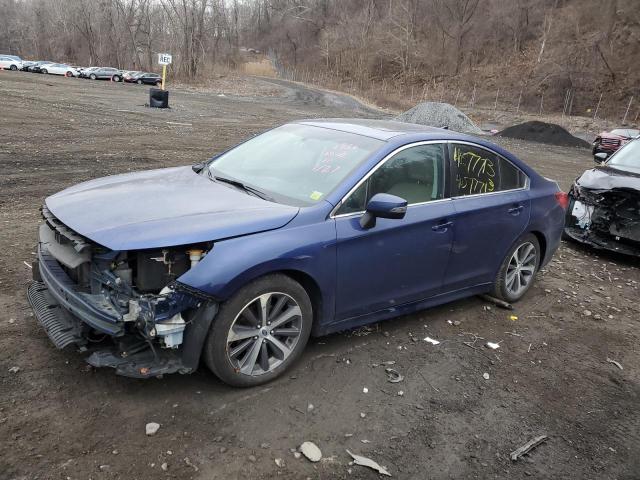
[605, 217]
[130, 297]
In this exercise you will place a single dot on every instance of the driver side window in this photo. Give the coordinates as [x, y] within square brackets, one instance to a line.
[415, 174]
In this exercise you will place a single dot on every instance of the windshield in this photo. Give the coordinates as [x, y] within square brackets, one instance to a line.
[627, 158]
[296, 164]
[626, 132]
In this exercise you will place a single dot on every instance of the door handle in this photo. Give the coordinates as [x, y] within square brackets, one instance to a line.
[516, 210]
[441, 227]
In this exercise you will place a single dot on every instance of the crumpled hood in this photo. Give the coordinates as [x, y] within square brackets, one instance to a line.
[603, 178]
[162, 208]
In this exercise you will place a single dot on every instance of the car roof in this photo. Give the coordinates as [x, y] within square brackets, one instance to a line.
[382, 129]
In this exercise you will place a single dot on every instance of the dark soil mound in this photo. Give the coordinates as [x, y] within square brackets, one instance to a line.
[542, 132]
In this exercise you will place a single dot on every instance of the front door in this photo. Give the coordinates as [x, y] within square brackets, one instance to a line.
[396, 261]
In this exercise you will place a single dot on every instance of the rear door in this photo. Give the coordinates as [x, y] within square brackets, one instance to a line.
[398, 260]
[492, 208]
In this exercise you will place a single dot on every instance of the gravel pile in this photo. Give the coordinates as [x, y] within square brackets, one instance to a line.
[542, 132]
[435, 114]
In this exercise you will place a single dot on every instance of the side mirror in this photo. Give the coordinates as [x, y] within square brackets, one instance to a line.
[383, 205]
[600, 157]
[198, 167]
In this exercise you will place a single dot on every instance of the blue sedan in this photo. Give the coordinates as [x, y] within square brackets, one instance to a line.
[310, 228]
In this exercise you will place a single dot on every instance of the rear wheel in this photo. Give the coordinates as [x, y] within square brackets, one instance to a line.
[139, 82]
[93, 76]
[68, 74]
[158, 83]
[518, 269]
[116, 78]
[259, 332]
[44, 70]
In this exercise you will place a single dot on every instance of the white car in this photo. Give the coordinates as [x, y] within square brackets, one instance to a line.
[10, 62]
[59, 69]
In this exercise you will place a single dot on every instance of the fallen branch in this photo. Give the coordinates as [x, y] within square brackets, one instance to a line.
[496, 301]
[617, 364]
[527, 447]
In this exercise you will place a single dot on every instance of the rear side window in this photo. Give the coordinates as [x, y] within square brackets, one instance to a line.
[415, 174]
[476, 170]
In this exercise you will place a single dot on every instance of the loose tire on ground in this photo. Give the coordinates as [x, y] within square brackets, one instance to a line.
[516, 269]
[239, 317]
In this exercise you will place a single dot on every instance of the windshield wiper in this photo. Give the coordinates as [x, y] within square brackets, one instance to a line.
[246, 188]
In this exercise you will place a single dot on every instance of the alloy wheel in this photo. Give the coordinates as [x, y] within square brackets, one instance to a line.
[521, 269]
[264, 334]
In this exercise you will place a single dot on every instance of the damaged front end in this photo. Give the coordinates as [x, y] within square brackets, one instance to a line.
[126, 308]
[605, 218]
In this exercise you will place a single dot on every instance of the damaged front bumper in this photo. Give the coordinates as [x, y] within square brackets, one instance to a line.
[605, 219]
[156, 335]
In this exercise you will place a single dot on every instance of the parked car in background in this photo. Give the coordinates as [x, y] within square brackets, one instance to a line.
[131, 75]
[10, 62]
[84, 73]
[604, 203]
[103, 73]
[59, 69]
[26, 64]
[310, 228]
[609, 142]
[149, 79]
[36, 66]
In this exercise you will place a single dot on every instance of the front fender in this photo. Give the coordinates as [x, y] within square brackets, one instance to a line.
[232, 263]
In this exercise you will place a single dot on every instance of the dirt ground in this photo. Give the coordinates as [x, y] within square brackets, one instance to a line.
[60, 419]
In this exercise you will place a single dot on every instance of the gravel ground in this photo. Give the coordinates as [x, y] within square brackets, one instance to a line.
[435, 114]
[61, 419]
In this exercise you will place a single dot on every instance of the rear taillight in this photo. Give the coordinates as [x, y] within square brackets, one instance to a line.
[563, 199]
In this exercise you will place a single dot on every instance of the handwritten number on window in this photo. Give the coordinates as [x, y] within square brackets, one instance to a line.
[475, 174]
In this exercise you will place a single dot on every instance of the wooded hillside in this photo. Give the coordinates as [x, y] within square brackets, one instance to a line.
[533, 51]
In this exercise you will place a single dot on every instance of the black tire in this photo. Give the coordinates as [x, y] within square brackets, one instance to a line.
[13, 68]
[68, 74]
[500, 287]
[93, 76]
[159, 83]
[139, 82]
[116, 78]
[216, 347]
[44, 70]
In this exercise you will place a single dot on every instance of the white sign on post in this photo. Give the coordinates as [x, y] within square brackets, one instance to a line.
[164, 59]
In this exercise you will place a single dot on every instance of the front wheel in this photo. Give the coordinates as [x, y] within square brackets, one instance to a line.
[13, 68]
[139, 82]
[44, 70]
[116, 78]
[68, 74]
[93, 76]
[259, 332]
[518, 269]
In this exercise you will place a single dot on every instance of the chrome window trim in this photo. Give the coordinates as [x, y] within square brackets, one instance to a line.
[417, 144]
